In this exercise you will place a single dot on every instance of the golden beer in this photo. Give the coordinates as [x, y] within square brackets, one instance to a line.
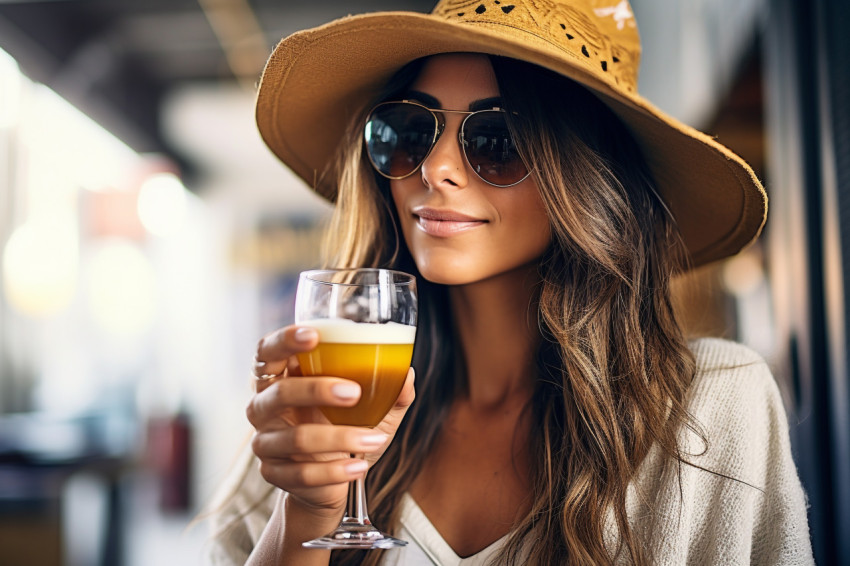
[376, 356]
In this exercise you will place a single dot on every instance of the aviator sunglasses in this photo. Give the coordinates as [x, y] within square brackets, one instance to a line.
[400, 136]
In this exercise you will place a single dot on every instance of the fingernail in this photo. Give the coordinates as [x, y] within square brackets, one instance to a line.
[356, 467]
[346, 391]
[373, 439]
[305, 335]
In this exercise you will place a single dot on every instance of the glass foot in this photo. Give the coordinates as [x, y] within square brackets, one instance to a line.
[355, 535]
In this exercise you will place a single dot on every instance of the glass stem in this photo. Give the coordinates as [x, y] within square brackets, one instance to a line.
[357, 512]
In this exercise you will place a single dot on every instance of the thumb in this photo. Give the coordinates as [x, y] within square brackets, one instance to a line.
[408, 392]
[405, 399]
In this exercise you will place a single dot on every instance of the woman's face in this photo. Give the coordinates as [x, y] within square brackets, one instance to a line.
[460, 229]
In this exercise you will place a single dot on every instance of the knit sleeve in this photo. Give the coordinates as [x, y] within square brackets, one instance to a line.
[758, 516]
[245, 504]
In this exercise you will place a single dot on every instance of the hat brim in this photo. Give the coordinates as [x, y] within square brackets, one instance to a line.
[316, 80]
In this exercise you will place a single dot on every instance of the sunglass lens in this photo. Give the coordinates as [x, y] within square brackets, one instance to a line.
[491, 150]
[399, 137]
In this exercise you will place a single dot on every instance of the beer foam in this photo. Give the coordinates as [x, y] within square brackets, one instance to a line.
[344, 331]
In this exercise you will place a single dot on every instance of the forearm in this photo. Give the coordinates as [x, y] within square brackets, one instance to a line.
[290, 525]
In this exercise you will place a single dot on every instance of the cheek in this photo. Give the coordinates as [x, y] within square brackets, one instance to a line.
[526, 223]
[542, 226]
[400, 193]
[529, 235]
[540, 235]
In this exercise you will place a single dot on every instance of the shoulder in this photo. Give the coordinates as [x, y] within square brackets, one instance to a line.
[712, 352]
[737, 408]
[732, 376]
[736, 497]
[744, 492]
[740, 431]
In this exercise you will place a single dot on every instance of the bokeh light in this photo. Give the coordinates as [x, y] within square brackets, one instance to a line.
[743, 274]
[162, 204]
[40, 264]
[121, 288]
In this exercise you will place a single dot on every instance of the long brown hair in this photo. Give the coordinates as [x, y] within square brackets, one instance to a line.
[613, 367]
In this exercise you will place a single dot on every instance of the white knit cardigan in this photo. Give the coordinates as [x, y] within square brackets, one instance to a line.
[757, 518]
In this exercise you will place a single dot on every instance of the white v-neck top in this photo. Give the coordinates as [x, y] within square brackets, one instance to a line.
[426, 547]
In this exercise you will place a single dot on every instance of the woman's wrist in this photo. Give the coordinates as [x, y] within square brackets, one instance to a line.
[296, 509]
[291, 524]
[305, 522]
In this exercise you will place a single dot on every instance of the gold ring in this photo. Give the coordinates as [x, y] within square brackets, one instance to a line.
[260, 365]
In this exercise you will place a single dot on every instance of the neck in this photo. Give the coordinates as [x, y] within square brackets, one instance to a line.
[497, 328]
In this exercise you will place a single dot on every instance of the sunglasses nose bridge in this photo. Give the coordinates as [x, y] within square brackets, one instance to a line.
[461, 138]
[441, 127]
[441, 120]
[446, 162]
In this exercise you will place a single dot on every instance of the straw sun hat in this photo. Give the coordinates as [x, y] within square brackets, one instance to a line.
[317, 79]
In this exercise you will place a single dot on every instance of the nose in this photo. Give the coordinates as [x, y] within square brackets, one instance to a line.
[445, 166]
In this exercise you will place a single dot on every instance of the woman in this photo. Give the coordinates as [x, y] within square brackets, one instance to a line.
[561, 417]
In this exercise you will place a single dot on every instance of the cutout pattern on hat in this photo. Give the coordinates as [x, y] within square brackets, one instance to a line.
[602, 34]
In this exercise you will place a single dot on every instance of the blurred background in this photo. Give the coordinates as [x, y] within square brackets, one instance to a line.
[148, 239]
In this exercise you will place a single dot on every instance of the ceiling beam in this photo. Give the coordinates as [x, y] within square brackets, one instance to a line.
[241, 38]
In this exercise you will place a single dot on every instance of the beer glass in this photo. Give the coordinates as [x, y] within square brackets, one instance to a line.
[366, 321]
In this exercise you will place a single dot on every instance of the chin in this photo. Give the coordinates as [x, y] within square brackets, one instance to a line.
[446, 270]
[460, 271]
[459, 276]
[447, 279]
[467, 271]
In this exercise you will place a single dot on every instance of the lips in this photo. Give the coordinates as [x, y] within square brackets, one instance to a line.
[443, 223]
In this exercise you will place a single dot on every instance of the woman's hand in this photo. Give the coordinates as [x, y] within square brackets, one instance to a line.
[299, 450]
